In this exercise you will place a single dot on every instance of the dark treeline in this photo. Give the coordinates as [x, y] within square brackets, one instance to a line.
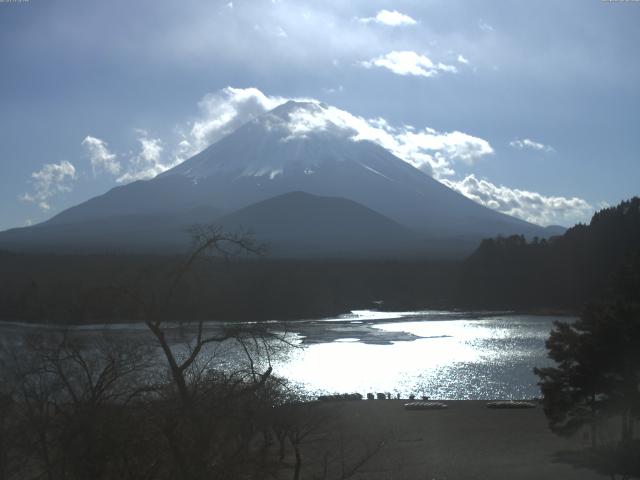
[564, 272]
[97, 288]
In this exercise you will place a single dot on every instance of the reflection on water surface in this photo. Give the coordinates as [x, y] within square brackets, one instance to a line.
[445, 355]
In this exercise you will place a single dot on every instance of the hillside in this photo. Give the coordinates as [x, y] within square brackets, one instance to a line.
[299, 224]
[563, 272]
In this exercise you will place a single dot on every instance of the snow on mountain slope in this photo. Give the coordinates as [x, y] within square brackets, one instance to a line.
[311, 147]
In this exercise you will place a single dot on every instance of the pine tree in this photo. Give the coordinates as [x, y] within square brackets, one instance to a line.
[598, 369]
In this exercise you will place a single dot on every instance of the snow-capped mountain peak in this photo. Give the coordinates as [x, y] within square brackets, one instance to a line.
[295, 136]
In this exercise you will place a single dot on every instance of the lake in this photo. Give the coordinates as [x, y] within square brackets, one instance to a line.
[443, 355]
[439, 354]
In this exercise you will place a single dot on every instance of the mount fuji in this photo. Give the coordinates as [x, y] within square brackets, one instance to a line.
[352, 197]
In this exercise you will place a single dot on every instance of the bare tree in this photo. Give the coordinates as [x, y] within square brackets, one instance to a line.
[208, 241]
[209, 430]
[72, 405]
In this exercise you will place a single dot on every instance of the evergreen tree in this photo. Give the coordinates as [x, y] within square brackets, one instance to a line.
[598, 369]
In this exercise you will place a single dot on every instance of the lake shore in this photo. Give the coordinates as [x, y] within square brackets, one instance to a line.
[466, 440]
[381, 313]
[452, 355]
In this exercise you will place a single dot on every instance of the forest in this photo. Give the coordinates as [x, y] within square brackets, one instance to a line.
[564, 272]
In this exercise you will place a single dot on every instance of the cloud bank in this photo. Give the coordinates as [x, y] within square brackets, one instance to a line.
[530, 206]
[429, 150]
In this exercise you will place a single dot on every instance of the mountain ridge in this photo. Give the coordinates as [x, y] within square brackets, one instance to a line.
[295, 224]
[304, 146]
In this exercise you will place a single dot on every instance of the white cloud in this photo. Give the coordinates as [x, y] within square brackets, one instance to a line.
[145, 164]
[429, 150]
[51, 180]
[408, 63]
[485, 26]
[148, 162]
[527, 143]
[463, 60]
[223, 112]
[100, 156]
[436, 152]
[314, 118]
[392, 18]
[530, 206]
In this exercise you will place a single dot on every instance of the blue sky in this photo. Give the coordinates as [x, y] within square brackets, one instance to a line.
[527, 107]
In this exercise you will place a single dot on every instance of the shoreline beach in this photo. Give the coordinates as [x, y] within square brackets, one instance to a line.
[466, 440]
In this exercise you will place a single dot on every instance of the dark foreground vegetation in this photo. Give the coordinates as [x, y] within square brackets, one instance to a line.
[106, 408]
[88, 289]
